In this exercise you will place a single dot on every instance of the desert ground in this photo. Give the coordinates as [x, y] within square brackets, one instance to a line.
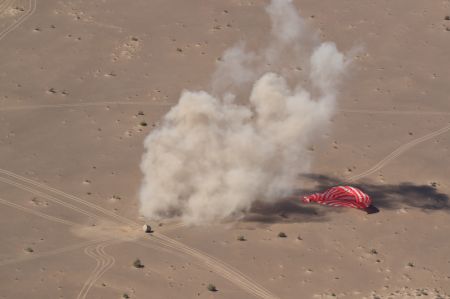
[83, 82]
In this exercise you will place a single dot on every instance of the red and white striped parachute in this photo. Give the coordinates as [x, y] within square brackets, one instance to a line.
[341, 196]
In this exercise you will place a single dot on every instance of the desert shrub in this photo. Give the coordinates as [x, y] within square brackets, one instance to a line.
[212, 288]
[138, 264]
[241, 238]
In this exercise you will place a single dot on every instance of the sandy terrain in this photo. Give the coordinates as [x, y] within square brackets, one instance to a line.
[83, 82]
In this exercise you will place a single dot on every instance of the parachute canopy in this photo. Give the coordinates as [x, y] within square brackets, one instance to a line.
[342, 196]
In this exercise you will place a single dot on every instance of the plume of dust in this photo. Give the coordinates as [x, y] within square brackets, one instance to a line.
[214, 156]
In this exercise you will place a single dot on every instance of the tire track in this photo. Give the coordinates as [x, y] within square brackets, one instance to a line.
[23, 18]
[4, 5]
[396, 153]
[219, 267]
[37, 213]
[89, 251]
[51, 218]
[110, 262]
[78, 105]
[232, 275]
[48, 197]
[51, 252]
[106, 212]
[104, 262]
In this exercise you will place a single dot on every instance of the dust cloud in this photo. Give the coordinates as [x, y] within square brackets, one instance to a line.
[215, 154]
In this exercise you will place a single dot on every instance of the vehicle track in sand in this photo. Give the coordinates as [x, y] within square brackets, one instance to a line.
[31, 9]
[50, 218]
[46, 196]
[51, 252]
[226, 271]
[37, 213]
[218, 267]
[54, 219]
[4, 5]
[104, 262]
[399, 151]
[55, 192]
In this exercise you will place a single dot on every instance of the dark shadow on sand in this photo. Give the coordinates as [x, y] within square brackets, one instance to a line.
[384, 197]
[285, 210]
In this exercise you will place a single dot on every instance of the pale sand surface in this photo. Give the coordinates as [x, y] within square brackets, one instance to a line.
[74, 76]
